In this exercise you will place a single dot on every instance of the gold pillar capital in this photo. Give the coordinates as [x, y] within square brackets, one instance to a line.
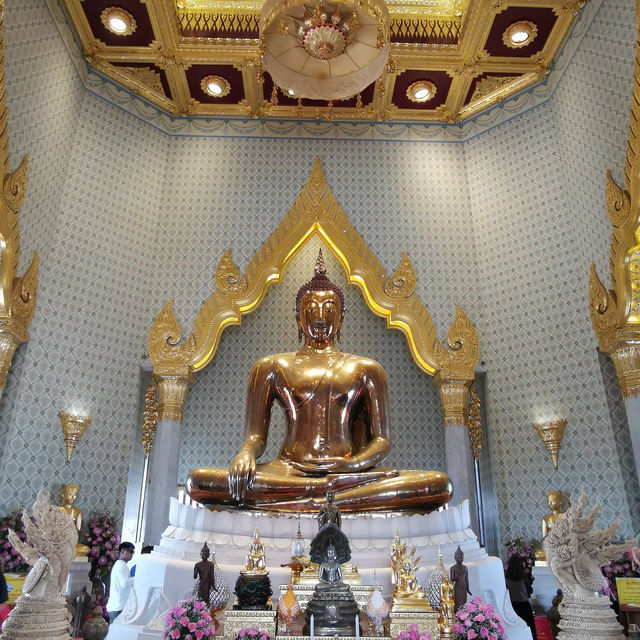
[172, 391]
[626, 358]
[454, 397]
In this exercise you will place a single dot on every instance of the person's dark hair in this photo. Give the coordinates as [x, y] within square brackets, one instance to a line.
[515, 568]
[127, 546]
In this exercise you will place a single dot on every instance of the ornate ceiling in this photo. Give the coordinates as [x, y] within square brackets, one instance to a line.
[459, 49]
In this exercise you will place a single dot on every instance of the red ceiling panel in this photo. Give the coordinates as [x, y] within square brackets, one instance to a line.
[141, 37]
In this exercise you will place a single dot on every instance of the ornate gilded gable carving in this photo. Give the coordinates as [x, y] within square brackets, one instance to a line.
[316, 211]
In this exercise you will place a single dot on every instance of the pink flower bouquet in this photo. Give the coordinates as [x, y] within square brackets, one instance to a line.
[414, 634]
[252, 633]
[476, 619]
[12, 560]
[189, 620]
[103, 540]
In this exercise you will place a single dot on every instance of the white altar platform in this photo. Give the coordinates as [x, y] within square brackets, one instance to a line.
[166, 575]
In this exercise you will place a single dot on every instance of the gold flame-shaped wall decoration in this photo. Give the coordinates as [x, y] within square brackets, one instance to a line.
[73, 428]
[615, 312]
[551, 434]
[17, 294]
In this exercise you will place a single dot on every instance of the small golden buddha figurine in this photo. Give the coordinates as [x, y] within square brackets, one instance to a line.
[398, 549]
[447, 607]
[554, 500]
[256, 563]
[336, 427]
[408, 594]
[69, 495]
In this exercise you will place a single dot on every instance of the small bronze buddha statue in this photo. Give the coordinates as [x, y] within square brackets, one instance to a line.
[336, 427]
[69, 495]
[459, 575]
[204, 573]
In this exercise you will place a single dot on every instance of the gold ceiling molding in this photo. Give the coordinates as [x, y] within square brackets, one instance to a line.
[615, 313]
[17, 294]
[316, 212]
[433, 35]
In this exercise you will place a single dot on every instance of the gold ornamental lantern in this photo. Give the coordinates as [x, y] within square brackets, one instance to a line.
[324, 50]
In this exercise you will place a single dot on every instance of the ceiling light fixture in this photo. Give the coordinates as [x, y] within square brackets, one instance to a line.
[421, 91]
[323, 50]
[520, 34]
[118, 21]
[215, 86]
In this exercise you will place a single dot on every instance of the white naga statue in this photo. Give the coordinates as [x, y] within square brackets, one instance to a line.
[41, 612]
[575, 555]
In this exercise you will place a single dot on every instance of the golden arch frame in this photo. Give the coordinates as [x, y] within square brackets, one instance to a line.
[316, 211]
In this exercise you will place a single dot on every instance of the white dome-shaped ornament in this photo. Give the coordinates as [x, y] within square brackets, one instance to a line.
[377, 610]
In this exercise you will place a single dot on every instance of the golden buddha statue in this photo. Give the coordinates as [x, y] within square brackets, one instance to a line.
[554, 500]
[69, 495]
[447, 607]
[337, 427]
[408, 594]
[398, 549]
[256, 563]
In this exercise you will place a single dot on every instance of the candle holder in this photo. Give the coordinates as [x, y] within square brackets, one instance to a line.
[551, 434]
[73, 428]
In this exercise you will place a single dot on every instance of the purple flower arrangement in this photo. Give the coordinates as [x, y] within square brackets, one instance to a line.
[414, 634]
[252, 633]
[526, 549]
[189, 620]
[621, 567]
[102, 539]
[12, 560]
[476, 619]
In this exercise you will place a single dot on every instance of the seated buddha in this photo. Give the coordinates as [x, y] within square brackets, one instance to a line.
[336, 427]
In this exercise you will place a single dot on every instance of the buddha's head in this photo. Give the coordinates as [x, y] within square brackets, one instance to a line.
[330, 496]
[458, 556]
[554, 498]
[331, 552]
[205, 552]
[69, 494]
[319, 308]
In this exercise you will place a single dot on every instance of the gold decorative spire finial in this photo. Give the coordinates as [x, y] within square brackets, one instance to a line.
[320, 268]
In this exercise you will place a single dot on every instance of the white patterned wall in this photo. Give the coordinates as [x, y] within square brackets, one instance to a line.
[125, 218]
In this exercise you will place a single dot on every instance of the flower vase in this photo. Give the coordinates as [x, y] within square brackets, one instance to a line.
[96, 627]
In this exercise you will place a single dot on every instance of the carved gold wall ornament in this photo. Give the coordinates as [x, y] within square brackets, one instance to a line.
[474, 423]
[172, 391]
[73, 428]
[17, 294]
[316, 212]
[454, 398]
[615, 313]
[551, 434]
[150, 419]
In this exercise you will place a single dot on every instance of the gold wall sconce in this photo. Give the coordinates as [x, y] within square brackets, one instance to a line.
[551, 434]
[73, 427]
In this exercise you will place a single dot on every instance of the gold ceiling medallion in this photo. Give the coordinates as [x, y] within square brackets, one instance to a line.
[615, 312]
[298, 39]
[119, 21]
[520, 34]
[316, 212]
[421, 91]
[551, 434]
[73, 428]
[17, 293]
[215, 86]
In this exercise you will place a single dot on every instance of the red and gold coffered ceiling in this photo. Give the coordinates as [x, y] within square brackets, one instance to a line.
[457, 45]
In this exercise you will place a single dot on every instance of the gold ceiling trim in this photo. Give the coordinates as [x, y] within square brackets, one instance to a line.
[469, 22]
[615, 313]
[17, 294]
[315, 212]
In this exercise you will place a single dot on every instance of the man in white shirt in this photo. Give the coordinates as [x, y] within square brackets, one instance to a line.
[120, 581]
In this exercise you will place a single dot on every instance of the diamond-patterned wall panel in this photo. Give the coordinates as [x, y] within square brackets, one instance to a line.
[538, 222]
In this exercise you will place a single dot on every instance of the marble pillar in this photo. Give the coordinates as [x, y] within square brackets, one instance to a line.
[460, 468]
[162, 483]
